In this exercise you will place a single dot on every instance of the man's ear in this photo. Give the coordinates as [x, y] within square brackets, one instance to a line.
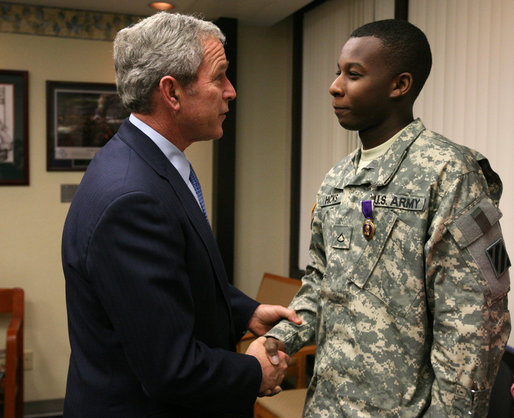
[169, 88]
[402, 84]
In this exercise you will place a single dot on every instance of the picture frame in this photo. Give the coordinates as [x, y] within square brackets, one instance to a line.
[14, 128]
[81, 118]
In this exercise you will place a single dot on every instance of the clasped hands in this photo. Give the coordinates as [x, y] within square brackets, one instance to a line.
[268, 351]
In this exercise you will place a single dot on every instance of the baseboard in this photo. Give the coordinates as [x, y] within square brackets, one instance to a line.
[50, 408]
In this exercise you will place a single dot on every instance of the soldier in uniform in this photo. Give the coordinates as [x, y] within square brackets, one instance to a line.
[406, 292]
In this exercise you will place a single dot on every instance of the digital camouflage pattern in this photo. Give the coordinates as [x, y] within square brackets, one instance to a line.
[413, 322]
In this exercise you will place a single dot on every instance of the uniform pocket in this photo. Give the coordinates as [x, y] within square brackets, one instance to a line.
[391, 268]
[372, 251]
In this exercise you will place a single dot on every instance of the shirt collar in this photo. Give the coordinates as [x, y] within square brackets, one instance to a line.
[172, 153]
[379, 171]
[368, 155]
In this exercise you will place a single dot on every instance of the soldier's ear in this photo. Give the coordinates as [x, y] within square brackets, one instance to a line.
[401, 85]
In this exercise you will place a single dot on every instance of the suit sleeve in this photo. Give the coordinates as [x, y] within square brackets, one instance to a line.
[243, 308]
[136, 260]
[467, 284]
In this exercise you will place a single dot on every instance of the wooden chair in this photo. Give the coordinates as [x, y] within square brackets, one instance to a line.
[11, 381]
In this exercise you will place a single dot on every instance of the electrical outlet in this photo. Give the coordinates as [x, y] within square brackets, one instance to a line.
[28, 359]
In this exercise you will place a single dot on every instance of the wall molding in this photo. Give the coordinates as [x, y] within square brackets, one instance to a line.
[64, 23]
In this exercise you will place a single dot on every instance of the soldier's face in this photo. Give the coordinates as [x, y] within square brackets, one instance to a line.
[361, 91]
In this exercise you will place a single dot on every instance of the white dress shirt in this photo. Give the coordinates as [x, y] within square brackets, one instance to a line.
[172, 153]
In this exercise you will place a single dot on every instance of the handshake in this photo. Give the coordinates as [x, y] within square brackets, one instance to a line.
[273, 360]
[269, 351]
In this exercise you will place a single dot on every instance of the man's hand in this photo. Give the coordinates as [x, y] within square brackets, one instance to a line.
[265, 316]
[273, 348]
[272, 375]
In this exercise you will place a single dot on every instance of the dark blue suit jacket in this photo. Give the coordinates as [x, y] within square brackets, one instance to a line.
[152, 318]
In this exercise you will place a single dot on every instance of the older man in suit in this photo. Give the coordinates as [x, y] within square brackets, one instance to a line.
[152, 318]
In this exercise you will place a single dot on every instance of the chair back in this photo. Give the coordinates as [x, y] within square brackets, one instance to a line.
[12, 301]
[277, 290]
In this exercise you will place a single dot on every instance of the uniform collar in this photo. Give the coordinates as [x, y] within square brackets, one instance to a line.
[379, 172]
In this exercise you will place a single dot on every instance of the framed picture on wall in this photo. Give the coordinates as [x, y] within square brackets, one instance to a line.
[81, 118]
[14, 136]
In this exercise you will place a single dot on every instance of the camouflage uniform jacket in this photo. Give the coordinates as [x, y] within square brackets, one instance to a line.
[414, 321]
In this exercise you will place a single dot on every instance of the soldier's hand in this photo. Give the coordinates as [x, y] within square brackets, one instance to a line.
[273, 347]
[272, 375]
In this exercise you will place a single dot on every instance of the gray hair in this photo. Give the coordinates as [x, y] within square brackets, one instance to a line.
[157, 46]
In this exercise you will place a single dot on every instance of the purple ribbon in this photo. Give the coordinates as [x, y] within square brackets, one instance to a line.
[367, 208]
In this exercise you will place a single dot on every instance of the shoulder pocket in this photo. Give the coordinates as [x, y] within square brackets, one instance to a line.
[478, 232]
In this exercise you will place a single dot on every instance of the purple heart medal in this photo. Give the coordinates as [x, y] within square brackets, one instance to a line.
[368, 227]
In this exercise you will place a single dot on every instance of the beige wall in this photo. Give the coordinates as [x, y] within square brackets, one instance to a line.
[263, 154]
[31, 217]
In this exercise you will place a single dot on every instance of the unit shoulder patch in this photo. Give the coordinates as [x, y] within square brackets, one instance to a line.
[498, 257]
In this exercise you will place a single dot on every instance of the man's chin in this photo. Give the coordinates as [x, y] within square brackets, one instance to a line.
[348, 125]
[214, 137]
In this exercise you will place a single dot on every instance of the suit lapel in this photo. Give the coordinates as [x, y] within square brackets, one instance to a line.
[153, 156]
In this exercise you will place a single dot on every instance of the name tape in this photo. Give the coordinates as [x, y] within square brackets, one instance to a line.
[400, 202]
[415, 203]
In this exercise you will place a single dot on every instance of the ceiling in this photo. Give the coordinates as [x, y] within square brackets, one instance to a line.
[252, 12]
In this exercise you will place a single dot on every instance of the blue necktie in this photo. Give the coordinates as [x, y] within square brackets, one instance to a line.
[196, 185]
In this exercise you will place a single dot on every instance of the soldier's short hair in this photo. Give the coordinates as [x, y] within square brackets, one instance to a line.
[407, 47]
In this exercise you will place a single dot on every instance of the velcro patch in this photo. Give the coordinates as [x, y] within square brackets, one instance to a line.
[478, 232]
[473, 224]
[481, 219]
[498, 257]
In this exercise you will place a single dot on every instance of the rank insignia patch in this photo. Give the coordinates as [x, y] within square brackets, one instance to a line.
[341, 237]
[498, 257]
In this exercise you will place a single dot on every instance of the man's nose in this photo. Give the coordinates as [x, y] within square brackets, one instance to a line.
[230, 91]
[336, 88]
